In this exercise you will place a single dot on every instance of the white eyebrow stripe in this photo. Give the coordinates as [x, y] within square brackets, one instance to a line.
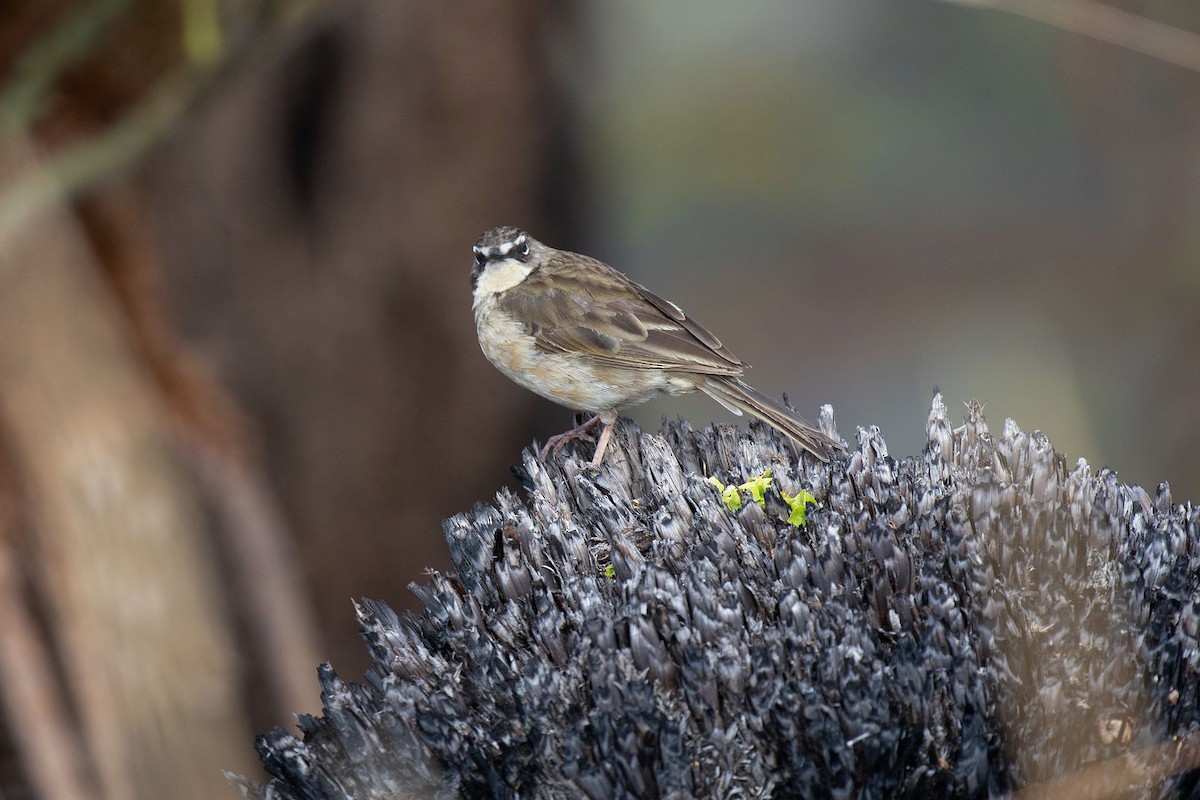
[500, 250]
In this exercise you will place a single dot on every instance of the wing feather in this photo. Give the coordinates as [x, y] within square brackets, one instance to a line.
[590, 309]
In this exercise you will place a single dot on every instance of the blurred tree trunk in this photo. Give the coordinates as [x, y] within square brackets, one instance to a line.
[121, 670]
[321, 254]
[311, 226]
[119, 537]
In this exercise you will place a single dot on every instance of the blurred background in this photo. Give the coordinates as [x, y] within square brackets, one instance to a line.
[239, 381]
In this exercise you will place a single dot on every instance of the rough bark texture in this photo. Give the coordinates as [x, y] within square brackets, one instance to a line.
[119, 534]
[980, 619]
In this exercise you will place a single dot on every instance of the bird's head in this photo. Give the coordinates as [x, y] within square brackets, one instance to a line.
[503, 258]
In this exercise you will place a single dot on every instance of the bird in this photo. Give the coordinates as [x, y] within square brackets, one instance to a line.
[578, 332]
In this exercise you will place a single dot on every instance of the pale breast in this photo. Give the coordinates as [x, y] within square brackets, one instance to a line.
[567, 380]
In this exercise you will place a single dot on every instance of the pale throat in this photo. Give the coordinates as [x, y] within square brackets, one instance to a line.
[500, 276]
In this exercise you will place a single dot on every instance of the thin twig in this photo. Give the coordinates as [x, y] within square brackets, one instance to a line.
[49, 751]
[1108, 24]
[41, 64]
[264, 573]
[79, 167]
[86, 164]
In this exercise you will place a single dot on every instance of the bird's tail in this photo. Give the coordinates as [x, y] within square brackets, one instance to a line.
[739, 396]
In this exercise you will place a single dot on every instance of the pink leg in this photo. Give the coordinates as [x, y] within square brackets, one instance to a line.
[602, 444]
[558, 441]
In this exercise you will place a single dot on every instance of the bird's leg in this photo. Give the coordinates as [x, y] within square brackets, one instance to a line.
[603, 443]
[559, 440]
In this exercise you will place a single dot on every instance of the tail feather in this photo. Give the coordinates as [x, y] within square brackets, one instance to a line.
[738, 396]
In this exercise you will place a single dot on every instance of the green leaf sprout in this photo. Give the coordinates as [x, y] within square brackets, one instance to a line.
[798, 503]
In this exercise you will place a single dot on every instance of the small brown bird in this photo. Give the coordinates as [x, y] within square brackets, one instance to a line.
[577, 332]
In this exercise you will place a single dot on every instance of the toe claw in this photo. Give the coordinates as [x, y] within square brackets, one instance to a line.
[558, 441]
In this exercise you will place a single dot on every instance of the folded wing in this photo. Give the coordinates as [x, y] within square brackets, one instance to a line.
[599, 313]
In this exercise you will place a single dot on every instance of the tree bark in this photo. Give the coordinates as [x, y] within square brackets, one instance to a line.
[127, 580]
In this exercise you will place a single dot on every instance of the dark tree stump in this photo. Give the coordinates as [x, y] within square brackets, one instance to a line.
[980, 619]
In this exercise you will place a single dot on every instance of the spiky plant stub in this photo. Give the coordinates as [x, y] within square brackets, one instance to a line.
[979, 619]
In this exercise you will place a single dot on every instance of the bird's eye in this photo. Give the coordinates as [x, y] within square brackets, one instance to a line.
[524, 249]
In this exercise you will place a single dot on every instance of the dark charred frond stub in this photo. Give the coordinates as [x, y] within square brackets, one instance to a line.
[982, 619]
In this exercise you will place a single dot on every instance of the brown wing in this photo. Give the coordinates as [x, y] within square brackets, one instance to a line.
[591, 309]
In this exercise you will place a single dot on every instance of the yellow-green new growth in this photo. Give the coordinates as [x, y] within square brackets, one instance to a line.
[798, 503]
[757, 487]
[729, 494]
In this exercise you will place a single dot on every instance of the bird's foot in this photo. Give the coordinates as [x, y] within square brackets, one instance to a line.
[560, 440]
